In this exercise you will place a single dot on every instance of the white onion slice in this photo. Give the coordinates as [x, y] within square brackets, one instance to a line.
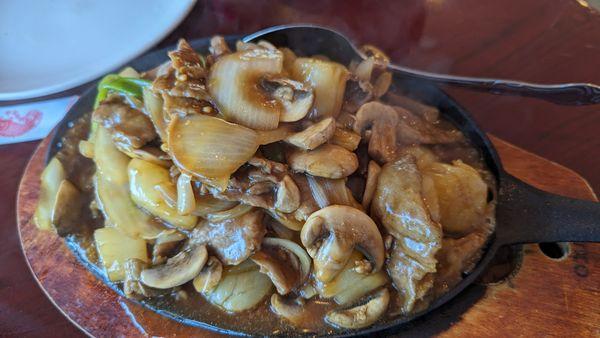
[185, 195]
[210, 148]
[236, 211]
[327, 192]
[234, 83]
[209, 205]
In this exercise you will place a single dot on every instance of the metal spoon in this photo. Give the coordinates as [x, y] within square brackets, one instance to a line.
[312, 39]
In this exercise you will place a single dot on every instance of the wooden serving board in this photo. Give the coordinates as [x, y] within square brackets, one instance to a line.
[543, 297]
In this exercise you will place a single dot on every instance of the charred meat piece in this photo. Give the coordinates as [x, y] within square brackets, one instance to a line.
[182, 82]
[185, 105]
[129, 127]
[187, 63]
[262, 183]
[232, 240]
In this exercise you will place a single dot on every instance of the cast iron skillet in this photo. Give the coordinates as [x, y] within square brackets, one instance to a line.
[524, 214]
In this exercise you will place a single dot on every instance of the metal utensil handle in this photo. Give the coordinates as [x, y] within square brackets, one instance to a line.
[566, 94]
[529, 215]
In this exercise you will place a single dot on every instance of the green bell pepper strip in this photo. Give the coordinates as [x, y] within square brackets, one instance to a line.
[126, 85]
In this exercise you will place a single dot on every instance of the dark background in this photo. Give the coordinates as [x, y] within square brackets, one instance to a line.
[533, 40]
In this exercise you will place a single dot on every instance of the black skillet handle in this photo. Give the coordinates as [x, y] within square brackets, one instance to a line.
[529, 215]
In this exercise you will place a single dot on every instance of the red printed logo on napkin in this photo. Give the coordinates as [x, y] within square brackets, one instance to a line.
[13, 124]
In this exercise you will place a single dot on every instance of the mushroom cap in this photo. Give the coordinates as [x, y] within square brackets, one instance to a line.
[290, 309]
[332, 233]
[295, 97]
[383, 121]
[285, 262]
[372, 113]
[362, 315]
[178, 270]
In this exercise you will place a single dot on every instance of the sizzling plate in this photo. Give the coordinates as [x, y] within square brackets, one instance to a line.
[419, 90]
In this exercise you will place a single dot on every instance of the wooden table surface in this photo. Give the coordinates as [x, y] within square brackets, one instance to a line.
[533, 40]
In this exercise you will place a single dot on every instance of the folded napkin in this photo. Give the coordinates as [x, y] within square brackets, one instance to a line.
[33, 120]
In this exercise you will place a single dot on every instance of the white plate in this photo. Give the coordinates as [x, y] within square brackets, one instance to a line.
[50, 46]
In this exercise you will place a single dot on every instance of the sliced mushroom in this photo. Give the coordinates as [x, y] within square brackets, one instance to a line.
[165, 243]
[362, 315]
[286, 220]
[382, 119]
[291, 309]
[332, 233]
[349, 285]
[288, 196]
[285, 262]
[328, 161]
[313, 136]
[296, 98]
[380, 58]
[345, 138]
[66, 209]
[275, 135]
[209, 276]
[364, 69]
[372, 176]
[382, 84]
[178, 270]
